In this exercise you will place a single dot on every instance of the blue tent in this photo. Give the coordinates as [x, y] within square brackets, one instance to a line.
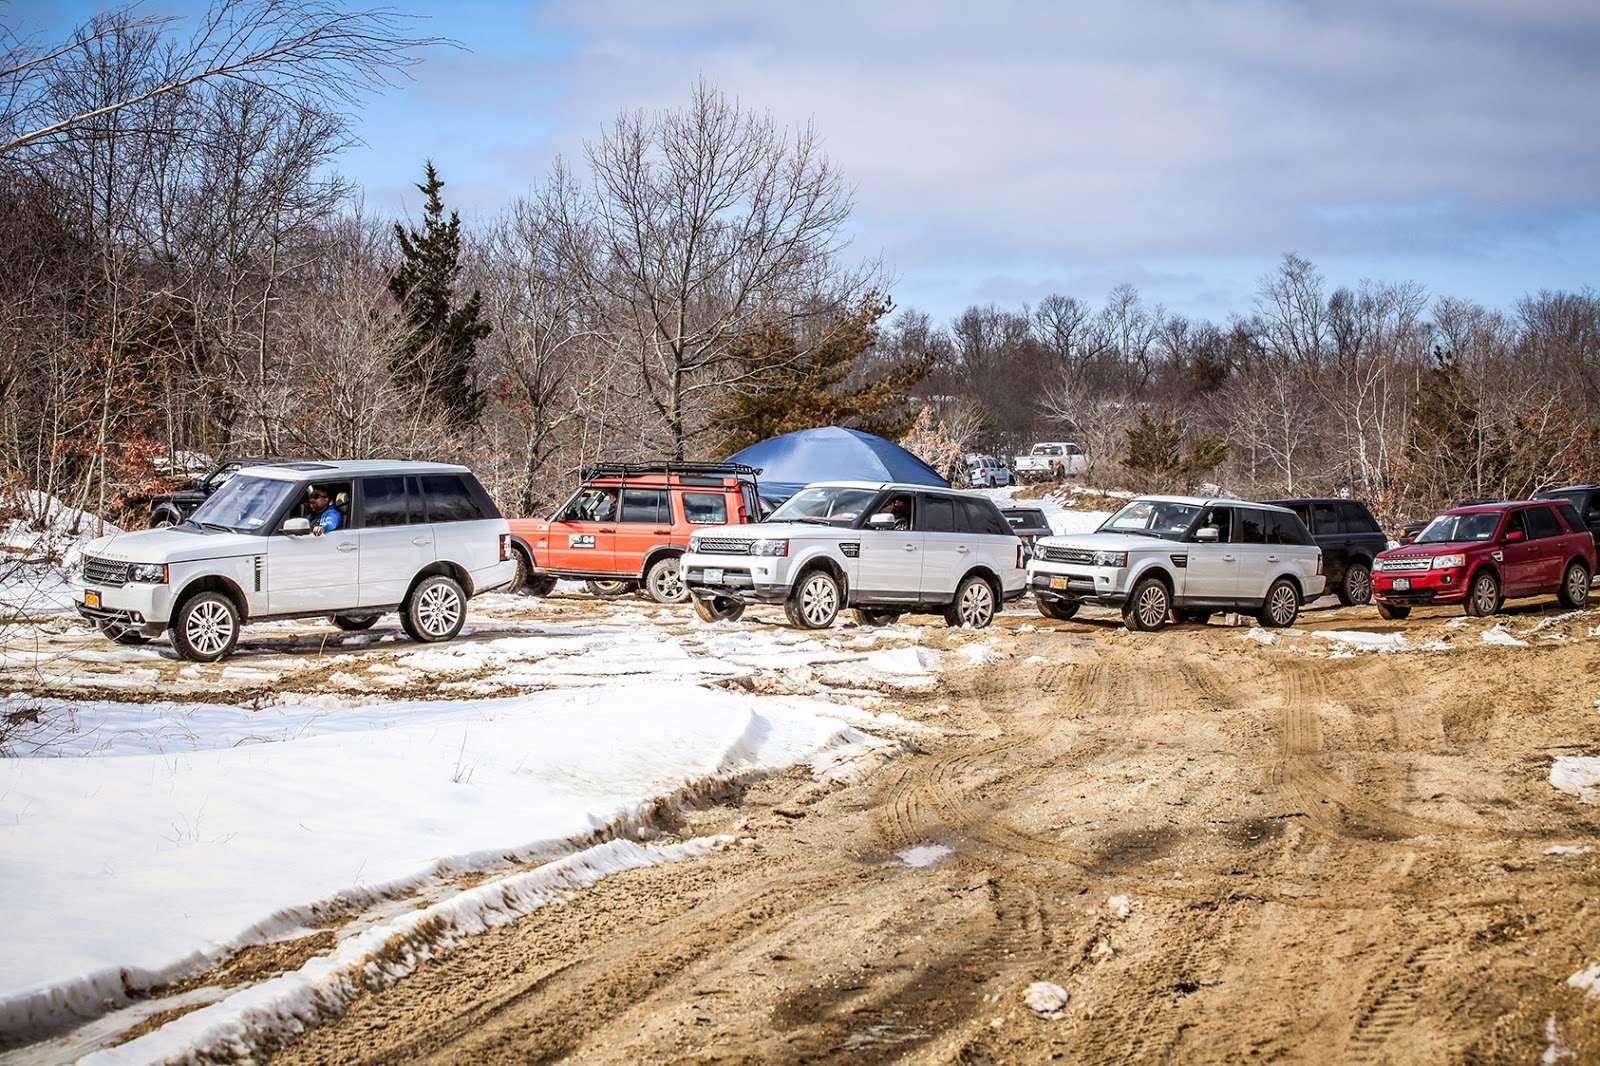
[792, 461]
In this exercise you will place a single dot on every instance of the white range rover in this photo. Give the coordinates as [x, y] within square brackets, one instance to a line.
[883, 549]
[1184, 556]
[417, 538]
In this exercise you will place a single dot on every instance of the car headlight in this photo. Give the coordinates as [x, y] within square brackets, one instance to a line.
[769, 547]
[1111, 558]
[1449, 562]
[149, 573]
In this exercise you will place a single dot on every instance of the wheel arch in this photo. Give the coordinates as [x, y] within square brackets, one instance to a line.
[658, 553]
[822, 561]
[211, 583]
[455, 571]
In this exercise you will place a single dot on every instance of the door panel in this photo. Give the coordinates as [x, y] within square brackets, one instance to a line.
[396, 542]
[306, 573]
[646, 522]
[1213, 570]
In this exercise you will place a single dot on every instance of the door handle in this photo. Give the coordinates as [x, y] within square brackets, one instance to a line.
[911, 547]
[347, 547]
[963, 550]
[663, 532]
[1272, 558]
[421, 542]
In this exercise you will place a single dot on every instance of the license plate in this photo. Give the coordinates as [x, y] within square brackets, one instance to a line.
[714, 577]
[91, 599]
[1401, 584]
[1058, 582]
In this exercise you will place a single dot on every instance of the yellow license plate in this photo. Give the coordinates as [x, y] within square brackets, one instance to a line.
[91, 599]
[1058, 582]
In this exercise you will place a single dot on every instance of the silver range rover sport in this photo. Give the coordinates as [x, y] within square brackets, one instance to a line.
[883, 549]
[1182, 557]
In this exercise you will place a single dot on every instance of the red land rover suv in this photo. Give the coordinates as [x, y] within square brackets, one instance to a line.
[628, 523]
[1479, 556]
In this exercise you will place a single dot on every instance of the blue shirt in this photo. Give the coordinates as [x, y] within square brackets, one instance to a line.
[328, 520]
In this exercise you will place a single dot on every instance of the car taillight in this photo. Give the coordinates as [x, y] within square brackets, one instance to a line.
[505, 546]
[1319, 562]
[1019, 555]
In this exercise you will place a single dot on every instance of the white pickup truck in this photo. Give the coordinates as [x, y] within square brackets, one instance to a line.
[1050, 460]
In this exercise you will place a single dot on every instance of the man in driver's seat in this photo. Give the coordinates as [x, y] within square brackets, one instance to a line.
[324, 516]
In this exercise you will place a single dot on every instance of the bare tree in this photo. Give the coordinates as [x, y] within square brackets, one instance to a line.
[707, 221]
[1291, 307]
[300, 49]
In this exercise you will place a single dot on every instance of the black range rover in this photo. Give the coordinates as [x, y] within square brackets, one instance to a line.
[1350, 538]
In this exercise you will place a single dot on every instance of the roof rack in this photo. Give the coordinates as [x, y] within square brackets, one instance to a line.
[669, 466]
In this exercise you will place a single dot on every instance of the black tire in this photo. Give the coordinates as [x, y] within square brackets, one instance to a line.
[814, 602]
[1193, 616]
[1574, 590]
[1060, 610]
[609, 589]
[1483, 595]
[539, 585]
[121, 634]
[435, 610]
[353, 623]
[1282, 605]
[975, 604]
[1148, 607]
[1356, 588]
[206, 627]
[664, 583]
[1392, 612]
[876, 616]
[718, 609]
[160, 521]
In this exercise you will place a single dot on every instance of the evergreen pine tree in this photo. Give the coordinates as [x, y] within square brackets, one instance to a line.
[790, 389]
[439, 362]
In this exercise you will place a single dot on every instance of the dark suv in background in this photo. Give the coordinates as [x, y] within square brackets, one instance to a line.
[1350, 538]
[1585, 499]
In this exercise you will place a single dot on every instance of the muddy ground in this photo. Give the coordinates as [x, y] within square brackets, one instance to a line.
[1222, 850]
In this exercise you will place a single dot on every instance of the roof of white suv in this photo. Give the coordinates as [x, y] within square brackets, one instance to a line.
[1210, 501]
[316, 471]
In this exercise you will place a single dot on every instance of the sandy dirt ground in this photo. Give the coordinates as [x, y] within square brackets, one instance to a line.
[1222, 850]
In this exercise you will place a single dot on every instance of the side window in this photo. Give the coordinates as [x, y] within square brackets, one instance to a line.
[1252, 526]
[338, 497]
[705, 508]
[385, 501]
[645, 505]
[448, 499]
[1324, 520]
[1220, 517]
[1542, 522]
[1515, 523]
[937, 514]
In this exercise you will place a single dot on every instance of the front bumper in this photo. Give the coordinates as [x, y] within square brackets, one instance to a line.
[737, 581]
[1421, 587]
[141, 607]
[1084, 585]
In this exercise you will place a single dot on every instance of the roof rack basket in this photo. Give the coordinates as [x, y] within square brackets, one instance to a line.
[670, 466]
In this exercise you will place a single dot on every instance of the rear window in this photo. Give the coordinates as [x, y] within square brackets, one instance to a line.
[938, 515]
[448, 499]
[705, 508]
[386, 501]
[1285, 529]
[645, 505]
[1542, 522]
[979, 516]
[1357, 519]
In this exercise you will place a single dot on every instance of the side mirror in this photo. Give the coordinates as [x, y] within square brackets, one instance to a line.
[881, 520]
[1512, 536]
[297, 527]
[1208, 534]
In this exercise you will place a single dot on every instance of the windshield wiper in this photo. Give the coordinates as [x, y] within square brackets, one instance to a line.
[215, 525]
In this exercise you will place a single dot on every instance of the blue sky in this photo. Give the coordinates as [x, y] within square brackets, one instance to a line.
[1003, 153]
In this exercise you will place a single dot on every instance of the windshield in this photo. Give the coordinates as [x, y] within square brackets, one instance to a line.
[1456, 528]
[1047, 449]
[244, 504]
[1153, 518]
[831, 504]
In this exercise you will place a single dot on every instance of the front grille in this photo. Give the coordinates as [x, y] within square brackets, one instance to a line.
[1066, 555]
[722, 546]
[104, 571]
[1406, 565]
